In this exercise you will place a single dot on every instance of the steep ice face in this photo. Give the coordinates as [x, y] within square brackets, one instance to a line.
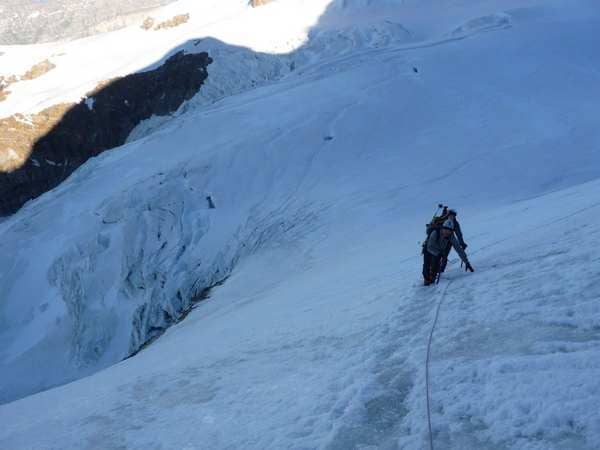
[130, 269]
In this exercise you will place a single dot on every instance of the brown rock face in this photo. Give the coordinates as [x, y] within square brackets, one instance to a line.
[148, 23]
[19, 133]
[39, 152]
[175, 21]
[38, 70]
[35, 72]
[5, 82]
[256, 3]
[4, 93]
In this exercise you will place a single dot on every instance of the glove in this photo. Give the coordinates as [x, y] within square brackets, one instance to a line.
[464, 245]
[469, 267]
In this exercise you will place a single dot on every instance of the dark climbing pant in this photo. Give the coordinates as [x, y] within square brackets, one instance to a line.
[431, 267]
[444, 258]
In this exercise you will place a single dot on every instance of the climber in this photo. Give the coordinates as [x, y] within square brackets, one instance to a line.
[451, 215]
[434, 251]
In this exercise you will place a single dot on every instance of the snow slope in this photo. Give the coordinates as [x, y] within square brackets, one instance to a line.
[328, 350]
[82, 64]
[322, 181]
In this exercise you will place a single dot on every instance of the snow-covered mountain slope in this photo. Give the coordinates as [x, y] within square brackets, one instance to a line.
[320, 342]
[250, 46]
[322, 181]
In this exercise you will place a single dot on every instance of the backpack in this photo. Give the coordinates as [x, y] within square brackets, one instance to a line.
[437, 221]
[436, 224]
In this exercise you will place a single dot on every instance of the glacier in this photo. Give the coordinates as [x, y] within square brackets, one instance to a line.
[315, 331]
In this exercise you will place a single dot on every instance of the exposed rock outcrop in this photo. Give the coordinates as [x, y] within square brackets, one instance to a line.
[38, 70]
[256, 3]
[19, 133]
[148, 23]
[5, 82]
[175, 21]
[39, 152]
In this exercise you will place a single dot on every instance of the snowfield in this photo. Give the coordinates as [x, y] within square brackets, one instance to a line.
[324, 158]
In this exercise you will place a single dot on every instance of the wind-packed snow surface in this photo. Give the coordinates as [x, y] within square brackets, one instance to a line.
[323, 178]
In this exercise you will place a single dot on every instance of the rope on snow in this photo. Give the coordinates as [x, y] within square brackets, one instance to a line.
[437, 313]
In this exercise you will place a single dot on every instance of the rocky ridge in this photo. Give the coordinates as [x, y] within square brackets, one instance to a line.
[38, 152]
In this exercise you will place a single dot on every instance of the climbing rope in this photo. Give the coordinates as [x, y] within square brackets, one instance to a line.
[437, 313]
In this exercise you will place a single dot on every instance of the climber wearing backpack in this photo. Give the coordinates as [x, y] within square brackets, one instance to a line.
[451, 215]
[435, 246]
